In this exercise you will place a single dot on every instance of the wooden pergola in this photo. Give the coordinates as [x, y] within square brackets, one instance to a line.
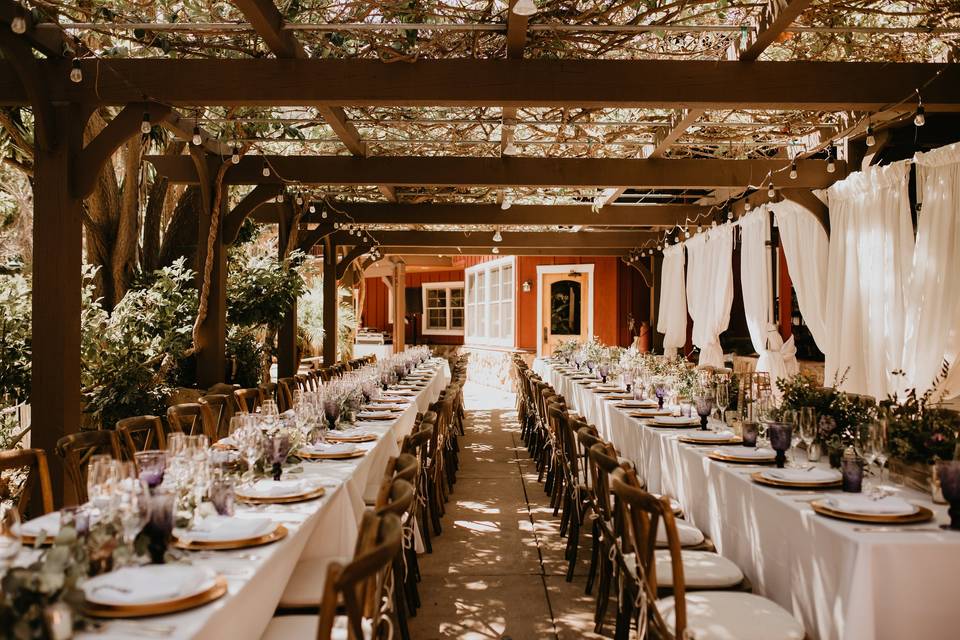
[671, 190]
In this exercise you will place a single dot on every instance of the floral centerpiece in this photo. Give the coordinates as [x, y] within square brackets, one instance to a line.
[565, 350]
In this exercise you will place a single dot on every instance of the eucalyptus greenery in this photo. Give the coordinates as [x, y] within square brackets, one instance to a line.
[839, 413]
[919, 431]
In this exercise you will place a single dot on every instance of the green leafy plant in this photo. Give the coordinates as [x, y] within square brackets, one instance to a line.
[261, 289]
[919, 431]
[310, 319]
[245, 355]
[839, 413]
[15, 342]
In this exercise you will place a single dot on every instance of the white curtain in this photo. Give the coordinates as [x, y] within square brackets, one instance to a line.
[710, 285]
[871, 251]
[777, 358]
[806, 248]
[672, 319]
[933, 294]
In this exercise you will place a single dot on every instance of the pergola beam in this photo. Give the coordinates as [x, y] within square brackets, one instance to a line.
[678, 126]
[424, 171]
[775, 18]
[526, 239]
[652, 215]
[694, 84]
[504, 251]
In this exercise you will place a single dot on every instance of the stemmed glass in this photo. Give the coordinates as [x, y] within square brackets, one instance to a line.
[808, 428]
[864, 449]
[723, 399]
[789, 416]
[133, 502]
[10, 541]
[250, 443]
[152, 464]
[705, 404]
[102, 476]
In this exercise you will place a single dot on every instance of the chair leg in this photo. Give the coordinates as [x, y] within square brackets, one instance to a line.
[573, 544]
[594, 556]
[399, 600]
[565, 515]
[603, 595]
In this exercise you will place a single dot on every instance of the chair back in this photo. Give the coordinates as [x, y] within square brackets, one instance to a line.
[12, 463]
[221, 410]
[141, 433]
[193, 419]
[76, 450]
[268, 391]
[248, 400]
[223, 388]
[397, 498]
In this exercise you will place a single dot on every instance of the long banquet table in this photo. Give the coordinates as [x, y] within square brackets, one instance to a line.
[840, 581]
[326, 527]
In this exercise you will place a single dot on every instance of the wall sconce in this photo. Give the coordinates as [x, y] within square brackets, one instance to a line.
[527, 286]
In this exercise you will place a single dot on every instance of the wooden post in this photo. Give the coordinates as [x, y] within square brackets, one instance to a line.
[57, 245]
[211, 359]
[330, 302]
[785, 301]
[287, 362]
[399, 304]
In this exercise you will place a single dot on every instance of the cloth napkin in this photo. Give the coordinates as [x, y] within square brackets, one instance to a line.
[146, 584]
[639, 403]
[676, 420]
[222, 528]
[267, 488]
[375, 414]
[801, 475]
[860, 503]
[334, 449]
[748, 452]
[49, 522]
[711, 435]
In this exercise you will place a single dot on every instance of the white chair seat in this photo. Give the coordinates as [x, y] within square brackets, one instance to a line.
[689, 535]
[305, 627]
[305, 587]
[701, 569]
[732, 615]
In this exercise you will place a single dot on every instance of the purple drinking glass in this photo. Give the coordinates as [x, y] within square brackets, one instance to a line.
[705, 404]
[781, 435]
[750, 432]
[151, 464]
[851, 469]
[277, 449]
[948, 471]
[222, 494]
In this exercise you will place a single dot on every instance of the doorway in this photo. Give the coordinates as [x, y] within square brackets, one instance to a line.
[564, 305]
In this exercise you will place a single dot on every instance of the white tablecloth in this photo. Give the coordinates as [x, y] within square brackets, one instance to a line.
[840, 582]
[382, 351]
[326, 527]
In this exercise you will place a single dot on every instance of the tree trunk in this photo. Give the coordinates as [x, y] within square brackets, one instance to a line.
[180, 239]
[154, 214]
[123, 261]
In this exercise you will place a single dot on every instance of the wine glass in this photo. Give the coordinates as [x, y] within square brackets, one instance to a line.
[133, 502]
[102, 476]
[808, 428]
[705, 403]
[789, 416]
[10, 541]
[864, 450]
[723, 399]
[880, 446]
[250, 442]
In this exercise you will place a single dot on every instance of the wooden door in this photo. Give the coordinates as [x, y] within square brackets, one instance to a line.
[565, 316]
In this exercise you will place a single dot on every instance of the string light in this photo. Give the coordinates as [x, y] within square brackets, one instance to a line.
[323, 214]
[771, 192]
[831, 165]
[280, 197]
[525, 8]
[266, 169]
[197, 139]
[793, 170]
[686, 233]
[19, 24]
[870, 139]
[145, 125]
[496, 250]
[920, 118]
[336, 225]
[76, 73]
[507, 203]
[729, 215]
[312, 209]
[497, 237]
[746, 205]
[299, 200]
[235, 156]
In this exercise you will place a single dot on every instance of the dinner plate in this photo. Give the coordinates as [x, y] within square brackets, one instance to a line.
[150, 590]
[638, 404]
[48, 523]
[822, 506]
[269, 491]
[711, 437]
[358, 436]
[799, 479]
[747, 455]
[335, 452]
[675, 422]
[279, 532]
[646, 414]
[401, 392]
[376, 415]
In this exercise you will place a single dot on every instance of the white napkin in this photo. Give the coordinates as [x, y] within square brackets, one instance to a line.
[710, 436]
[375, 415]
[747, 453]
[49, 522]
[331, 449]
[146, 584]
[267, 488]
[800, 475]
[638, 403]
[386, 405]
[671, 420]
[860, 503]
[225, 528]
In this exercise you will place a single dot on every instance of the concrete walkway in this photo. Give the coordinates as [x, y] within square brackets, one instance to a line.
[497, 570]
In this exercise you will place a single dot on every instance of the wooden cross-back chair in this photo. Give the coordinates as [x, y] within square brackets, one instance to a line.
[248, 400]
[418, 444]
[222, 408]
[696, 614]
[356, 588]
[285, 389]
[268, 391]
[32, 464]
[141, 433]
[193, 419]
[76, 450]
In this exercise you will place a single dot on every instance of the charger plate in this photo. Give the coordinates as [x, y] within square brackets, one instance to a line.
[922, 514]
[759, 478]
[356, 453]
[694, 440]
[214, 592]
[361, 437]
[301, 497]
[722, 457]
[224, 545]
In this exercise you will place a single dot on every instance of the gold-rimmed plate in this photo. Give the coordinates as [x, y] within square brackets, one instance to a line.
[214, 592]
[279, 533]
[346, 455]
[922, 514]
[313, 494]
[657, 421]
[360, 437]
[726, 457]
[379, 415]
[700, 441]
[761, 478]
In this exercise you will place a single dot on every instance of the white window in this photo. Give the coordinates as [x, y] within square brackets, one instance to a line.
[443, 308]
[490, 308]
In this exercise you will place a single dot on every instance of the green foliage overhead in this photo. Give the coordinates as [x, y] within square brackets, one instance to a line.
[310, 319]
[261, 289]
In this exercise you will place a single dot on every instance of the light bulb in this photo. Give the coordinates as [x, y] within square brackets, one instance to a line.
[496, 249]
[831, 165]
[506, 204]
[312, 209]
[145, 125]
[76, 73]
[18, 25]
[280, 197]
[729, 215]
[771, 192]
[235, 156]
[659, 247]
[197, 140]
[676, 240]
[793, 170]
[698, 229]
[336, 225]
[525, 8]
[686, 234]
[497, 237]
[870, 139]
[299, 199]
[746, 205]
[323, 214]
[920, 117]
[266, 169]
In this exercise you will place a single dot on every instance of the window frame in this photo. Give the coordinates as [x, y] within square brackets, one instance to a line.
[481, 310]
[448, 287]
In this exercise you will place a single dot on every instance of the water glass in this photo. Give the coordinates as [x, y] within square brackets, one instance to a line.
[152, 465]
[781, 437]
[103, 472]
[723, 399]
[808, 429]
[223, 494]
[133, 503]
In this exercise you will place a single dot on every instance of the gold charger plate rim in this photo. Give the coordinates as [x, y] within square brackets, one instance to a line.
[759, 478]
[356, 453]
[922, 514]
[713, 455]
[366, 437]
[215, 592]
[690, 440]
[279, 533]
[303, 497]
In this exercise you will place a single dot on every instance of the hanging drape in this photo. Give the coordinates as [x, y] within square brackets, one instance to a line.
[871, 250]
[933, 294]
[806, 248]
[777, 358]
[672, 319]
[710, 288]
